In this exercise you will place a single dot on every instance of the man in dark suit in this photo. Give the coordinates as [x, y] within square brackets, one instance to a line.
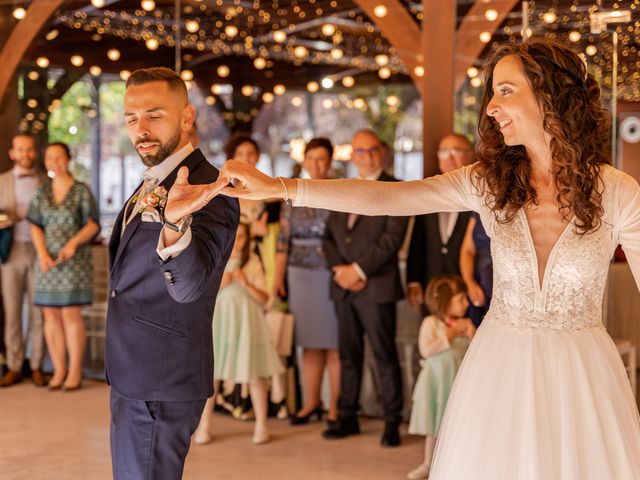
[165, 270]
[437, 237]
[362, 252]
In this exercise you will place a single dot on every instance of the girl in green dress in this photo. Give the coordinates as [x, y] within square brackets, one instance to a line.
[242, 345]
[443, 339]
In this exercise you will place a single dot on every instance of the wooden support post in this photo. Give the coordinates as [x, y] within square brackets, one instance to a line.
[438, 50]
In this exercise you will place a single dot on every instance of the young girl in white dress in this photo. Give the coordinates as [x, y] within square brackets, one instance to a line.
[443, 340]
[542, 392]
[243, 351]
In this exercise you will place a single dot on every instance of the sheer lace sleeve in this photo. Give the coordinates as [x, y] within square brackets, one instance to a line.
[628, 222]
[453, 192]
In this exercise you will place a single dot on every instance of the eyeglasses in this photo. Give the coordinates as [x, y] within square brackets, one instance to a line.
[361, 152]
[444, 153]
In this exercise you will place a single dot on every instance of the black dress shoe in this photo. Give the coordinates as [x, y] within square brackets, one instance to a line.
[391, 435]
[343, 427]
[304, 419]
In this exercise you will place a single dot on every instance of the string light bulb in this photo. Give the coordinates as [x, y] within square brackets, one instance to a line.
[223, 71]
[148, 5]
[348, 81]
[113, 54]
[42, 62]
[19, 13]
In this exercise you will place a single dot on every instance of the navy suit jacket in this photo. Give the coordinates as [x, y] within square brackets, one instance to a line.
[373, 243]
[158, 340]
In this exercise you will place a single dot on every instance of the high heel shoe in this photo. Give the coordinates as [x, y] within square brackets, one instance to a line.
[303, 420]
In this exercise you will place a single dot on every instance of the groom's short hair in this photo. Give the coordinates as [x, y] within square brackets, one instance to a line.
[158, 74]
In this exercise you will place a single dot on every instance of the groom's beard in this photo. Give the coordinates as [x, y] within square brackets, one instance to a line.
[164, 150]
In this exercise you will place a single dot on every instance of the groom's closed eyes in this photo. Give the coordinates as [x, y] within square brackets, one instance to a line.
[151, 114]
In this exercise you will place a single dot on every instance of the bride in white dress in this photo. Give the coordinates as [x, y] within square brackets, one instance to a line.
[542, 393]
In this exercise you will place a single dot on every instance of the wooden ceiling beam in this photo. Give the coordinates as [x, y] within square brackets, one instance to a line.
[402, 31]
[22, 36]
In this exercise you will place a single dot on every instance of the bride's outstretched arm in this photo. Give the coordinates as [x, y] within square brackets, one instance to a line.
[628, 223]
[454, 191]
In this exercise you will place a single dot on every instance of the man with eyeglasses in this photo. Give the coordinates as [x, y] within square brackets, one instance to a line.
[437, 238]
[362, 252]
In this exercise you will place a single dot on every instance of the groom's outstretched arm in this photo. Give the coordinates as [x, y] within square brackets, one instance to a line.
[188, 273]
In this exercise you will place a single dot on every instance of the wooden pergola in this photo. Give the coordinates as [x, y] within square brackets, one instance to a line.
[430, 43]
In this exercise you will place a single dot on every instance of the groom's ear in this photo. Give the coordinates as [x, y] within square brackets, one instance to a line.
[188, 117]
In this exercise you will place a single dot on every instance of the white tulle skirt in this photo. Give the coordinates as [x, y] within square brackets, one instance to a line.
[539, 405]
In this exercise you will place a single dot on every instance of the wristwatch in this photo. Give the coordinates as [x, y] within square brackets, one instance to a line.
[181, 226]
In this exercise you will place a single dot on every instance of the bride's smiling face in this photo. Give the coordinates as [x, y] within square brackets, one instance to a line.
[514, 106]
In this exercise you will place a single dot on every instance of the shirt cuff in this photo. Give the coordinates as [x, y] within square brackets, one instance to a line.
[166, 253]
[359, 271]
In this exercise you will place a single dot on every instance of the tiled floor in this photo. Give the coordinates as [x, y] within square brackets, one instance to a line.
[65, 436]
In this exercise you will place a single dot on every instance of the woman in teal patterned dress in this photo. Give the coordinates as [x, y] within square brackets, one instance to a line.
[64, 220]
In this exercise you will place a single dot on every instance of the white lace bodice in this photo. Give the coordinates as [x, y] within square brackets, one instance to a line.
[570, 297]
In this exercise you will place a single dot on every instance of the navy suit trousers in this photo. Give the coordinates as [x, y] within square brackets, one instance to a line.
[150, 439]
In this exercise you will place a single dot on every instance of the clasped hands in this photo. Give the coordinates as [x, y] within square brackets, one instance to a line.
[347, 278]
[67, 252]
[235, 180]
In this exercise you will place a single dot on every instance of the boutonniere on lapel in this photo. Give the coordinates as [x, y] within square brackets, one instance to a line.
[156, 199]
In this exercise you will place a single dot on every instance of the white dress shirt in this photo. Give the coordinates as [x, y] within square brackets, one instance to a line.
[26, 183]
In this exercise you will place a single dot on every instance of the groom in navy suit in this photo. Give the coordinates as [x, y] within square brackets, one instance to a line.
[167, 256]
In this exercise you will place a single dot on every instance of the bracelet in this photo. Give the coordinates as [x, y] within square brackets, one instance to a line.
[286, 192]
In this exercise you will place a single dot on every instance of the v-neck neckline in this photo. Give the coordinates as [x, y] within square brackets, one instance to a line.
[540, 282]
[64, 198]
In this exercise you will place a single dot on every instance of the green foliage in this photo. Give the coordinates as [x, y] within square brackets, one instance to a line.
[71, 116]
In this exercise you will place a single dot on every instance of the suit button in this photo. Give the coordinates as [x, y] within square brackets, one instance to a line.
[168, 277]
[114, 293]
[444, 250]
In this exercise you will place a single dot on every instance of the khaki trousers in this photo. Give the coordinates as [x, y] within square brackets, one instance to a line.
[18, 279]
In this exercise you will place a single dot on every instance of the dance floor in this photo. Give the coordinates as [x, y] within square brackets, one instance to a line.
[45, 435]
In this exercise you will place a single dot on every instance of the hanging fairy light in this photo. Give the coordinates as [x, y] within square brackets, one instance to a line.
[77, 60]
[148, 5]
[348, 81]
[98, 3]
[336, 53]
[575, 36]
[591, 50]
[300, 51]
[42, 62]
[260, 63]
[419, 71]
[549, 17]
[296, 101]
[247, 90]
[95, 71]
[327, 103]
[33, 75]
[186, 75]
[393, 101]
[384, 73]
[476, 82]
[231, 31]
[19, 13]
[491, 14]
[485, 37]
[279, 89]
[472, 72]
[192, 26]
[380, 11]
[223, 71]
[124, 75]
[216, 89]
[210, 100]
[328, 29]
[279, 36]
[267, 97]
[360, 103]
[382, 60]
[52, 34]
[326, 82]
[113, 54]
[152, 43]
[313, 87]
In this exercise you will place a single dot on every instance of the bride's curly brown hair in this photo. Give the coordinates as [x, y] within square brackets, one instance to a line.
[575, 119]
